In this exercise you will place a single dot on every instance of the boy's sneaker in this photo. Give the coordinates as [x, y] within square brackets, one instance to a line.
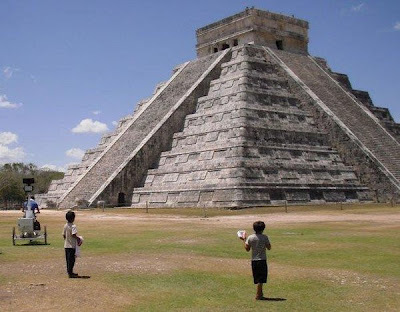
[73, 275]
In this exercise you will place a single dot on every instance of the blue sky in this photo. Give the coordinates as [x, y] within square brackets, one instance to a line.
[69, 69]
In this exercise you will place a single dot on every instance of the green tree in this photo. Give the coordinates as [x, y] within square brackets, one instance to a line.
[11, 192]
[11, 186]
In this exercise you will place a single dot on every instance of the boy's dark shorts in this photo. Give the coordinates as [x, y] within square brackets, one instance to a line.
[260, 271]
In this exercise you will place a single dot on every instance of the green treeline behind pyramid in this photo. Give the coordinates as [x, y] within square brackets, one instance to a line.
[11, 187]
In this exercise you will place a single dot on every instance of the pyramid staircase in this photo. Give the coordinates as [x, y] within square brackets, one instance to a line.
[58, 188]
[248, 144]
[382, 113]
[118, 165]
[356, 120]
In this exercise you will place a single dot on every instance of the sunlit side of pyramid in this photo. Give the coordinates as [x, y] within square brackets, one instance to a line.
[253, 121]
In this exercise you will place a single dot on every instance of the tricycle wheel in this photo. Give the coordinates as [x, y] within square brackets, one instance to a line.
[45, 235]
[13, 236]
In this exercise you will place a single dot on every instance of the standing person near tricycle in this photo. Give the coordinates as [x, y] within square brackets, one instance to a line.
[30, 205]
[258, 243]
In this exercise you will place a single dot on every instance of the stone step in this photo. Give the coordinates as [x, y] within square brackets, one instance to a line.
[256, 63]
[251, 125]
[255, 78]
[226, 121]
[243, 109]
[247, 82]
[264, 97]
[267, 185]
[295, 150]
[205, 161]
[234, 172]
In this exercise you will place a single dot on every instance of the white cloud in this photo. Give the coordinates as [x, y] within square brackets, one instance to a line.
[53, 168]
[397, 26]
[9, 71]
[75, 153]
[97, 112]
[7, 138]
[89, 125]
[357, 8]
[8, 154]
[115, 123]
[4, 103]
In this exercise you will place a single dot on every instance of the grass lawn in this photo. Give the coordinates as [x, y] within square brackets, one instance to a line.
[322, 259]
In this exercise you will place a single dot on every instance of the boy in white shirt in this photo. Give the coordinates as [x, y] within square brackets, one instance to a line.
[70, 234]
[258, 243]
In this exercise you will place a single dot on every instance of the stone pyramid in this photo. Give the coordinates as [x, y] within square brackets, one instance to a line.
[248, 143]
[253, 121]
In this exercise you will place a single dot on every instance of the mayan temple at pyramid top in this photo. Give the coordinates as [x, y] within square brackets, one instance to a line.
[256, 27]
[253, 121]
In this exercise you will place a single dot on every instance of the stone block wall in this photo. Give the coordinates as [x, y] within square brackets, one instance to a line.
[253, 26]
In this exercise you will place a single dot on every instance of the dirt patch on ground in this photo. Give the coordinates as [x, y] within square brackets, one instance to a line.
[292, 217]
[56, 293]
[305, 217]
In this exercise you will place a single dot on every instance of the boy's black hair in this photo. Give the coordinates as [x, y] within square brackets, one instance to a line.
[70, 216]
[258, 227]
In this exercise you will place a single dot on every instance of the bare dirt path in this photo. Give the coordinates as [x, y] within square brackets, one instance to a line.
[271, 218]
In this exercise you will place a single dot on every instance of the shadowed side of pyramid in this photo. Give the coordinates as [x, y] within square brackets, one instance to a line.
[368, 141]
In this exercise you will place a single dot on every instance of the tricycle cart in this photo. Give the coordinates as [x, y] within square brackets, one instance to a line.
[29, 230]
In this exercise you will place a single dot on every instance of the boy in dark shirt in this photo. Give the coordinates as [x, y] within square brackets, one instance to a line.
[258, 243]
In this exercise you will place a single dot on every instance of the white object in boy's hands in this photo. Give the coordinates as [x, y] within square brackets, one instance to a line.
[79, 242]
[241, 233]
